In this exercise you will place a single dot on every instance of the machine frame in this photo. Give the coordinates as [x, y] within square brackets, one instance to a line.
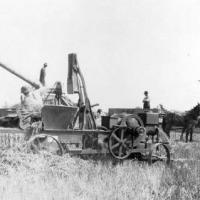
[65, 128]
[80, 135]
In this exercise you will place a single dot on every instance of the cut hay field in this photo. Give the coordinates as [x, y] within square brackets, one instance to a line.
[27, 176]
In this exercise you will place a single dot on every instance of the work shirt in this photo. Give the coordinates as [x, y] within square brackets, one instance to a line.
[31, 103]
[146, 103]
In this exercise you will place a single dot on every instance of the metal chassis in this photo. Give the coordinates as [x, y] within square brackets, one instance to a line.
[69, 135]
[71, 138]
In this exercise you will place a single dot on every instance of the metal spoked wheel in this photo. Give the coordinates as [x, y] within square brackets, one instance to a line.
[45, 143]
[159, 152]
[120, 143]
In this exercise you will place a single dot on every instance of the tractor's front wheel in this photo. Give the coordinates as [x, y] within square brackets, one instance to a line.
[45, 143]
[159, 152]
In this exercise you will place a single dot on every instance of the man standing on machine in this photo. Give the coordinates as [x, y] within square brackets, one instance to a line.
[58, 93]
[43, 75]
[146, 101]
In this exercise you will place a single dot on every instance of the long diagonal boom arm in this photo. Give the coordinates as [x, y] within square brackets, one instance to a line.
[35, 85]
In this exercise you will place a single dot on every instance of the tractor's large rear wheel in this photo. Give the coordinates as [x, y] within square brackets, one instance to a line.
[120, 143]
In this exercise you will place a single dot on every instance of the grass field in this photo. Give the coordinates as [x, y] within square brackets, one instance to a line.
[32, 176]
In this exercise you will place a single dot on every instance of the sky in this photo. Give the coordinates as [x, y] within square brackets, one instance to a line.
[124, 47]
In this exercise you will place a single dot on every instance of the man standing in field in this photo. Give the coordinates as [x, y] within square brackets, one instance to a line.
[43, 74]
[146, 101]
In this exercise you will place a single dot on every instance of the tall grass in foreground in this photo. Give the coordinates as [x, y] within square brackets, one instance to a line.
[32, 176]
[44, 176]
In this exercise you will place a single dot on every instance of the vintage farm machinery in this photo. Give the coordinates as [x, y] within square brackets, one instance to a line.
[138, 135]
[72, 128]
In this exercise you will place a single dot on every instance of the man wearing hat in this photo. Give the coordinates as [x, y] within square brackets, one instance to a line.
[29, 101]
[24, 94]
[43, 74]
[98, 117]
[146, 101]
[30, 104]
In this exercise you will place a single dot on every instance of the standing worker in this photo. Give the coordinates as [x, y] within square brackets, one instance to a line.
[58, 93]
[146, 101]
[43, 74]
[29, 110]
[24, 94]
[29, 101]
[98, 117]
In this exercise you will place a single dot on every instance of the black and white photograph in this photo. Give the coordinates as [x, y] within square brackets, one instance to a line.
[100, 100]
